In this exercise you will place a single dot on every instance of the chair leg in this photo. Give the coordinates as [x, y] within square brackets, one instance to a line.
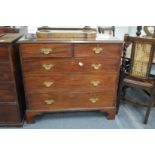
[119, 95]
[124, 92]
[119, 90]
[151, 103]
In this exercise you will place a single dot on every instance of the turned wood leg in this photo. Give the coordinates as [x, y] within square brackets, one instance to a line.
[150, 105]
[120, 95]
[124, 91]
[148, 112]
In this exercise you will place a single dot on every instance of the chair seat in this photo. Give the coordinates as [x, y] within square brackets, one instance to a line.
[138, 82]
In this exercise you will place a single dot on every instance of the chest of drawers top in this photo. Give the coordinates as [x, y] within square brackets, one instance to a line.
[32, 47]
[32, 39]
[9, 38]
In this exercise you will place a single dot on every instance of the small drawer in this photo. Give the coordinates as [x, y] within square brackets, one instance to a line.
[106, 51]
[79, 65]
[46, 50]
[74, 83]
[53, 101]
[5, 72]
[9, 114]
[6, 92]
[4, 54]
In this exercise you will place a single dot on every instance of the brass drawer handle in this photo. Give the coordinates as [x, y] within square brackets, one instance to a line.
[93, 100]
[47, 66]
[97, 50]
[49, 101]
[95, 82]
[48, 83]
[46, 51]
[96, 66]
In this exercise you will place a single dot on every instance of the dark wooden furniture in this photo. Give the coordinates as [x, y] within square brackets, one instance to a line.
[70, 75]
[135, 72]
[10, 82]
[8, 29]
[139, 29]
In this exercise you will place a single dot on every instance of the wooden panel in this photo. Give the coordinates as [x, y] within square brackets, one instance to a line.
[128, 80]
[9, 114]
[68, 65]
[98, 50]
[5, 73]
[8, 30]
[6, 92]
[70, 82]
[55, 100]
[4, 54]
[46, 50]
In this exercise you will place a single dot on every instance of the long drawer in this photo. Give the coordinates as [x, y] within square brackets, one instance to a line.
[68, 65]
[5, 72]
[4, 54]
[51, 101]
[46, 50]
[97, 50]
[65, 82]
[6, 92]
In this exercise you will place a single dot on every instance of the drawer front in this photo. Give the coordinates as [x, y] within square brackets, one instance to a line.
[9, 114]
[52, 101]
[106, 51]
[4, 54]
[46, 50]
[70, 83]
[79, 65]
[6, 92]
[5, 72]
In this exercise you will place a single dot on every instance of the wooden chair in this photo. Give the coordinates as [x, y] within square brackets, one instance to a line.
[108, 30]
[135, 72]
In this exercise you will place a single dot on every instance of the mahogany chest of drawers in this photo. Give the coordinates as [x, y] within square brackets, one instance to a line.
[70, 75]
[11, 94]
